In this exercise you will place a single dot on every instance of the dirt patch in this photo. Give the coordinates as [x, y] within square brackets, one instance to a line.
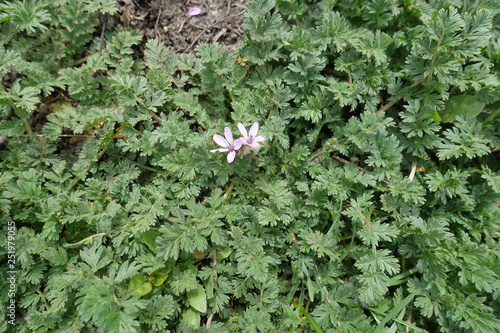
[168, 21]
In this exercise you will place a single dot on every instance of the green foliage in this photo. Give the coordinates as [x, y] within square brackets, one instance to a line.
[461, 105]
[371, 207]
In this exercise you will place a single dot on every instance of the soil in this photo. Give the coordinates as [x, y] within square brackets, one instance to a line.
[168, 21]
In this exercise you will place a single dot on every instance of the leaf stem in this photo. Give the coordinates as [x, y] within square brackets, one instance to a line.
[42, 296]
[388, 105]
[79, 177]
[338, 158]
[86, 240]
[28, 128]
[142, 165]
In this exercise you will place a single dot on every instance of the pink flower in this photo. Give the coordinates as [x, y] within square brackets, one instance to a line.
[194, 11]
[227, 144]
[251, 139]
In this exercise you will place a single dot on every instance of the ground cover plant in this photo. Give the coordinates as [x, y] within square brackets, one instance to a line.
[336, 173]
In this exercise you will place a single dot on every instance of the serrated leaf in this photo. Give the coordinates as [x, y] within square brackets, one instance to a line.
[126, 270]
[12, 127]
[93, 256]
[103, 6]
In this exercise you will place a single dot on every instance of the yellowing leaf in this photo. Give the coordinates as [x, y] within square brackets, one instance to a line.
[140, 285]
[199, 255]
[157, 278]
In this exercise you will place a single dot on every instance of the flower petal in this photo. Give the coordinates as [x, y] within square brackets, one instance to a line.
[220, 141]
[194, 11]
[259, 139]
[229, 135]
[243, 130]
[220, 149]
[254, 129]
[237, 144]
[254, 145]
[231, 156]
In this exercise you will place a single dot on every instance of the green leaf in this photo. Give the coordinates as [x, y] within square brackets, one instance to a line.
[375, 232]
[140, 285]
[395, 311]
[12, 127]
[461, 105]
[103, 6]
[380, 260]
[435, 116]
[149, 237]
[126, 270]
[373, 287]
[156, 54]
[93, 257]
[467, 138]
[198, 298]
[191, 317]
[8, 58]
[223, 254]
[29, 16]
[183, 278]
[310, 289]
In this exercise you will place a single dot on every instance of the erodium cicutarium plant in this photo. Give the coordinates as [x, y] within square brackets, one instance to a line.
[369, 201]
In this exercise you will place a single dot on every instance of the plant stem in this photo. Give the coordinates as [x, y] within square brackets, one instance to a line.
[388, 105]
[79, 177]
[28, 128]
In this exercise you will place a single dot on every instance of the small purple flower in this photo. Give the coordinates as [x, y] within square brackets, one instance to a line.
[194, 11]
[251, 139]
[228, 144]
